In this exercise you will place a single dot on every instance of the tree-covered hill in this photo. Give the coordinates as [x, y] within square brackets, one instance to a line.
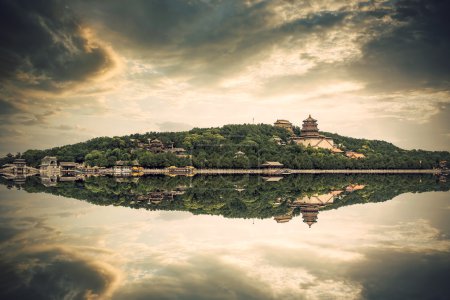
[218, 147]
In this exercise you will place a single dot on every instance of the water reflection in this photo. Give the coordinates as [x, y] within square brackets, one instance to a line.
[216, 238]
[234, 196]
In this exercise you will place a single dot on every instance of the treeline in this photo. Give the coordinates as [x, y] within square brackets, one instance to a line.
[223, 147]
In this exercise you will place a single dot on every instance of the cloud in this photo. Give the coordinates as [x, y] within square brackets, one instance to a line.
[412, 52]
[7, 108]
[200, 41]
[65, 127]
[174, 126]
[44, 46]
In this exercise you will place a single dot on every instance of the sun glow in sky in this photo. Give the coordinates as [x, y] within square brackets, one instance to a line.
[74, 70]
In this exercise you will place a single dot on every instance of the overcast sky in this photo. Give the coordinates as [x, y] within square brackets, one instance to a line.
[74, 70]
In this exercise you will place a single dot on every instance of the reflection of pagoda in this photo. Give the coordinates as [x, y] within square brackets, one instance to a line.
[310, 136]
[310, 205]
[309, 214]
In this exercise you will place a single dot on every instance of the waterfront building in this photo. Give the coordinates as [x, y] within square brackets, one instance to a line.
[272, 164]
[121, 168]
[20, 166]
[67, 167]
[49, 164]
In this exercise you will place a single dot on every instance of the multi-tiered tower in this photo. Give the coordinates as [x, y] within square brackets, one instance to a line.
[310, 136]
[309, 128]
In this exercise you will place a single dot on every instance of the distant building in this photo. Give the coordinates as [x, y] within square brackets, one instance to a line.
[352, 154]
[310, 136]
[278, 140]
[179, 152]
[336, 150]
[156, 146]
[239, 154]
[285, 124]
[67, 167]
[272, 164]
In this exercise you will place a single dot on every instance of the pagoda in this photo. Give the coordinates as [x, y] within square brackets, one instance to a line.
[309, 128]
[311, 137]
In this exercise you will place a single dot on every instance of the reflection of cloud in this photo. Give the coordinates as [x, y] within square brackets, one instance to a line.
[399, 275]
[56, 273]
[200, 277]
[352, 253]
[418, 236]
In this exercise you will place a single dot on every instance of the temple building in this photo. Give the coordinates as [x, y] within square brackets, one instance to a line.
[20, 166]
[356, 155]
[67, 167]
[310, 136]
[49, 164]
[156, 146]
[284, 124]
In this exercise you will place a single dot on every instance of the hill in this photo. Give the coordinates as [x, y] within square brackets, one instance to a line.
[236, 146]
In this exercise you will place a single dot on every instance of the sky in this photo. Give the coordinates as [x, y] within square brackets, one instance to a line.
[74, 70]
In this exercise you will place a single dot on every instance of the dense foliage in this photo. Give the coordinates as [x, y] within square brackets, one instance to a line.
[217, 148]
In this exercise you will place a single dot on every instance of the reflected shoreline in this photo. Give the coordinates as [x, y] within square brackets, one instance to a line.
[234, 196]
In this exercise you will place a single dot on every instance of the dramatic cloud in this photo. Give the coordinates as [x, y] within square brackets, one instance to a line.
[44, 46]
[413, 54]
[119, 68]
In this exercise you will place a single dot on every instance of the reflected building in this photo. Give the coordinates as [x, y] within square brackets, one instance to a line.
[354, 187]
[310, 205]
[157, 197]
[48, 179]
[283, 218]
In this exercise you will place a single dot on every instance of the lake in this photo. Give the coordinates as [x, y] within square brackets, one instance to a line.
[226, 237]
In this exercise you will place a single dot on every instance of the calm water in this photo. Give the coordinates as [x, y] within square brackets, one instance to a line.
[371, 237]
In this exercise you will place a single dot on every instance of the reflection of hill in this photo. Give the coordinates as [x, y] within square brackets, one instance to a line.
[239, 196]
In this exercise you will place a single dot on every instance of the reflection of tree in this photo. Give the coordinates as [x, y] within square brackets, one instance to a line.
[240, 196]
